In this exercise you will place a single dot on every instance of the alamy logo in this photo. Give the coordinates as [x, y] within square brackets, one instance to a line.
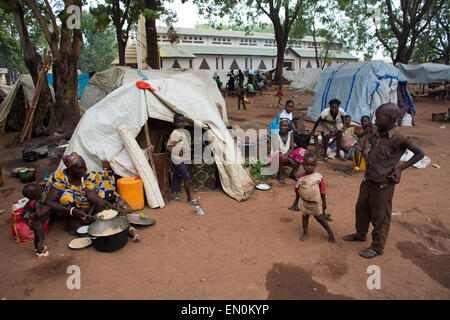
[374, 280]
[74, 280]
[74, 20]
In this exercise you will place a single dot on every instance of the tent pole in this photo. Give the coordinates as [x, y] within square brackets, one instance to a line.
[149, 143]
[29, 122]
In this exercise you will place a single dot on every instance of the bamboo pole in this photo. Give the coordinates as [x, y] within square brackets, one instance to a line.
[149, 143]
[29, 121]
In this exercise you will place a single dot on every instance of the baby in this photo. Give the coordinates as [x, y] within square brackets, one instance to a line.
[34, 214]
[310, 192]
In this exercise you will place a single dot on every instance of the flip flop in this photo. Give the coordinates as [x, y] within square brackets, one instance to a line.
[44, 254]
[352, 237]
[369, 253]
[194, 202]
[44, 249]
[176, 199]
[293, 208]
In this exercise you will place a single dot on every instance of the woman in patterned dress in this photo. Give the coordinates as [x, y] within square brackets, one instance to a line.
[76, 192]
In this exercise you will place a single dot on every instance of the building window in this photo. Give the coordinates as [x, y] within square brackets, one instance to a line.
[273, 63]
[222, 63]
[251, 63]
[246, 63]
[190, 63]
[217, 63]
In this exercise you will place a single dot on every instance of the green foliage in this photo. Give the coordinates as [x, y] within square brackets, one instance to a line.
[255, 171]
[438, 34]
[99, 48]
[11, 53]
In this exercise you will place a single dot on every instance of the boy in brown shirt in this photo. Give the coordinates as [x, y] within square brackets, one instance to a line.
[374, 204]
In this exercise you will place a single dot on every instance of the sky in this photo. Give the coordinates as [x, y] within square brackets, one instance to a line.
[188, 17]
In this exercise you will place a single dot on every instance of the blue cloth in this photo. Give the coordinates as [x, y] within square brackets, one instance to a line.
[275, 126]
[83, 80]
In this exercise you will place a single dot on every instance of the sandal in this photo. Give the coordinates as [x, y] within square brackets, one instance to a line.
[369, 253]
[294, 208]
[44, 249]
[194, 202]
[353, 237]
[176, 199]
[44, 254]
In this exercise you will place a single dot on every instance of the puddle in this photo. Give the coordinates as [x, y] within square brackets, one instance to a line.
[289, 282]
[434, 265]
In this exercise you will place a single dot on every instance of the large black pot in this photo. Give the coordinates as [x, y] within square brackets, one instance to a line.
[112, 242]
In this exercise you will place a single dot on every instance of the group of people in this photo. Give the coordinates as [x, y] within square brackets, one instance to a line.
[381, 146]
[76, 193]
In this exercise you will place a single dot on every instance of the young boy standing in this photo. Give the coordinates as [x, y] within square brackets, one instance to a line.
[374, 204]
[179, 148]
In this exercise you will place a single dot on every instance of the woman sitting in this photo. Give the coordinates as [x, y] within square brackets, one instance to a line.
[77, 193]
[286, 114]
[284, 153]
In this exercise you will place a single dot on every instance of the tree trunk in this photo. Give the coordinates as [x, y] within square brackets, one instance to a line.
[65, 78]
[121, 47]
[33, 62]
[281, 39]
[152, 36]
[65, 83]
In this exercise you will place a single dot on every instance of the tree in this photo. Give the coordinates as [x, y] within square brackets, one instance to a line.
[282, 14]
[11, 53]
[33, 61]
[99, 48]
[433, 45]
[151, 13]
[65, 42]
[123, 14]
[397, 26]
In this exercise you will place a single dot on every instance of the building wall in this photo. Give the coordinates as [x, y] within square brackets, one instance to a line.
[167, 63]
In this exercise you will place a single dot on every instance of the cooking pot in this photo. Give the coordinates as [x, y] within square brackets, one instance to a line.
[113, 242]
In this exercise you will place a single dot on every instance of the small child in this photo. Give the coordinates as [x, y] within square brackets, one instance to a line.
[310, 190]
[180, 143]
[34, 214]
[241, 96]
[362, 147]
[280, 95]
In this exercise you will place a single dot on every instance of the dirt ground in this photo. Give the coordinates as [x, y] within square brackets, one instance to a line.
[251, 249]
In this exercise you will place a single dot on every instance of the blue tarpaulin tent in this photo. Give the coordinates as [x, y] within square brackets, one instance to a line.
[83, 80]
[360, 86]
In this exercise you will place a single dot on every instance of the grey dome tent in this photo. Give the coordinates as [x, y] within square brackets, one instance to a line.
[360, 86]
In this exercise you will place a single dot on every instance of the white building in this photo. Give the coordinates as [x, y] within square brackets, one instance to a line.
[217, 50]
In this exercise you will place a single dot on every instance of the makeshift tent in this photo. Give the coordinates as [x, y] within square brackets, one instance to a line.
[288, 75]
[96, 137]
[23, 90]
[105, 82]
[305, 80]
[425, 73]
[360, 86]
[83, 79]
[5, 90]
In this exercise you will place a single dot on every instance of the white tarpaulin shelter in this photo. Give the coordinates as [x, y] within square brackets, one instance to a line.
[288, 75]
[26, 82]
[96, 137]
[305, 80]
[360, 86]
[425, 73]
[104, 82]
